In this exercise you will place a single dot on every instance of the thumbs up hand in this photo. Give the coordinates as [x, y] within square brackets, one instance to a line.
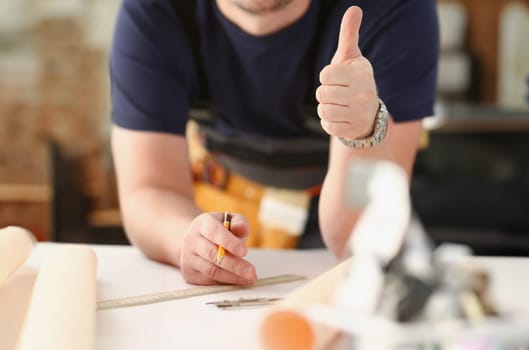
[347, 96]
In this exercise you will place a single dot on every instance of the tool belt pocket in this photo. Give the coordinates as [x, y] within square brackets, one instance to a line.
[261, 209]
[274, 197]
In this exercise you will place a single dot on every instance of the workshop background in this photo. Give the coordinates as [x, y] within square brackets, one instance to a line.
[471, 182]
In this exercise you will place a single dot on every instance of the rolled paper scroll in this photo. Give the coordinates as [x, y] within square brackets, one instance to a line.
[285, 327]
[61, 314]
[16, 244]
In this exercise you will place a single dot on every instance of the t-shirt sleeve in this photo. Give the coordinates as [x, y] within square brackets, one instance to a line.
[152, 71]
[404, 52]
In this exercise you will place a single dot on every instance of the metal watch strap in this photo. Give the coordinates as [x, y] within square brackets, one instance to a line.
[380, 129]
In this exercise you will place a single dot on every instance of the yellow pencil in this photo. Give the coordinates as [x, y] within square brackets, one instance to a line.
[220, 249]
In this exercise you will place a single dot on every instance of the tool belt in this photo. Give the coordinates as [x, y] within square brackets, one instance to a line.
[273, 195]
[297, 163]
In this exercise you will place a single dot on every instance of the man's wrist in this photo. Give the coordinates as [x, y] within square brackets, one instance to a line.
[378, 133]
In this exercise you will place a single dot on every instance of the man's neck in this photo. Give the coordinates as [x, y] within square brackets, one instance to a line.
[265, 22]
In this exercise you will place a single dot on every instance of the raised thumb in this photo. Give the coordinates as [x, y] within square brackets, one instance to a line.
[349, 34]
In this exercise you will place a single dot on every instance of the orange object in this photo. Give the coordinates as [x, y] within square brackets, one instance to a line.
[284, 326]
[211, 198]
[287, 330]
[220, 250]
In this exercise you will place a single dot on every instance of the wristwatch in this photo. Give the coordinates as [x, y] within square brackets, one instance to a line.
[380, 129]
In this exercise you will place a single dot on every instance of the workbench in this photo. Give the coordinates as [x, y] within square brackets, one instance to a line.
[192, 324]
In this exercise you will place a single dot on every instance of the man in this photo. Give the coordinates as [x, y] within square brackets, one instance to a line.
[258, 59]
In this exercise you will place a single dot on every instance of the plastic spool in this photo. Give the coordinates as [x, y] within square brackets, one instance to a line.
[16, 244]
[61, 314]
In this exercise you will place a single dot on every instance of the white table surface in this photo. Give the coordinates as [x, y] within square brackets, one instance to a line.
[187, 323]
[191, 324]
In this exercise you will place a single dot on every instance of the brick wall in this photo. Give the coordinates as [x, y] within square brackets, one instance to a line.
[53, 88]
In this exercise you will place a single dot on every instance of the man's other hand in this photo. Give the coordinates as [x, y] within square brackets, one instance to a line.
[198, 258]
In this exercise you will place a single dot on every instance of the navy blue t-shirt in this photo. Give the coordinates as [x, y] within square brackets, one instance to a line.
[259, 84]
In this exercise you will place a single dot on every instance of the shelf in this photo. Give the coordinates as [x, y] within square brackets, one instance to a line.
[25, 193]
[477, 118]
[105, 218]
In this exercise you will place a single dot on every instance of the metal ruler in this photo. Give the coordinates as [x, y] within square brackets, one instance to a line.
[191, 292]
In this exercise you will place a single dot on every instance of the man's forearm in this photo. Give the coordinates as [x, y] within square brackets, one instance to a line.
[337, 217]
[156, 220]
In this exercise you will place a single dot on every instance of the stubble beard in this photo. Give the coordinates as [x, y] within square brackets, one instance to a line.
[261, 7]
